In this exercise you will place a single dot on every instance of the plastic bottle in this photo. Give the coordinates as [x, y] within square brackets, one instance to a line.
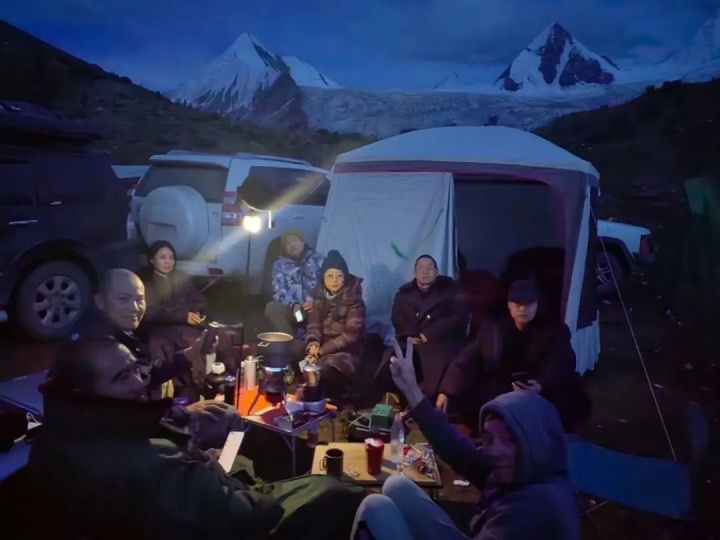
[215, 383]
[397, 442]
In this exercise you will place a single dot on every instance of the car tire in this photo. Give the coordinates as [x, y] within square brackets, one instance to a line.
[66, 288]
[609, 267]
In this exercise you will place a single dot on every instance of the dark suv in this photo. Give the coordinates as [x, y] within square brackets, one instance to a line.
[61, 207]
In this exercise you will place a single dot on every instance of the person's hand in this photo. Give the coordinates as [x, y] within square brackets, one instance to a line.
[441, 403]
[416, 340]
[403, 373]
[195, 319]
[210, 410]
[308, 305]
[211, 421]
[531, 386]
[313, 349]
[295, 307]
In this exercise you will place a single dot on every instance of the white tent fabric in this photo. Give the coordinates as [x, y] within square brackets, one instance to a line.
[502, 207]
[586, 340]
[381, 223]
[470, 144]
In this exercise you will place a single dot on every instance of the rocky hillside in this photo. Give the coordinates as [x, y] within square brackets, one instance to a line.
[135, 121]
[645, 148]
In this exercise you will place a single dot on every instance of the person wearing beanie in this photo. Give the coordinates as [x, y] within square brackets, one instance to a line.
[429, 310]
[294, 276]
[336, 326]
[523, 352]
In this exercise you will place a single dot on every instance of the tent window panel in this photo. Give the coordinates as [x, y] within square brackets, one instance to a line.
[496, 219]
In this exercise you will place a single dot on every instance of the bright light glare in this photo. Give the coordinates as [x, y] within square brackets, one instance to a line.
[252, 224]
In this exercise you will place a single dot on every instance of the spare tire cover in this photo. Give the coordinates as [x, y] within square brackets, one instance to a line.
[176, 214]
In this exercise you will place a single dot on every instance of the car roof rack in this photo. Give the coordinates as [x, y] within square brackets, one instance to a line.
[246, 155]
[22, 122]
[240, 155]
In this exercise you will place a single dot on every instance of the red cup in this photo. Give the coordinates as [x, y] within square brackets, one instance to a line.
[374, 453]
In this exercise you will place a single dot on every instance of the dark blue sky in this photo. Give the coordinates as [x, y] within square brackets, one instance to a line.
[362, 43]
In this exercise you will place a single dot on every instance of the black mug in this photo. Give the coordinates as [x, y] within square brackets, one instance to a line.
[333, 462]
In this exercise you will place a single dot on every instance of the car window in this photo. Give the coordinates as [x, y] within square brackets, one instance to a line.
[208, 181]
[16, 183]
[70, 178]
[320, 195]
[268, 188]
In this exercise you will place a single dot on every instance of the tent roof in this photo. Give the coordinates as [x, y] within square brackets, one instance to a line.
[498, 145]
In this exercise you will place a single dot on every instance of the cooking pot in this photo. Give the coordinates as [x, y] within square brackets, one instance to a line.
[275, 347]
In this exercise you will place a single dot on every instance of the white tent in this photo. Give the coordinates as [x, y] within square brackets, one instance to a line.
[490, 192]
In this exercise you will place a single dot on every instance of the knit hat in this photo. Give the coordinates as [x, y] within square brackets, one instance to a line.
[290, 232]
[335, 261]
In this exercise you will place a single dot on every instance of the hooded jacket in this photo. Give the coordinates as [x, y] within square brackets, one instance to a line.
[540, 504]
[292, 280]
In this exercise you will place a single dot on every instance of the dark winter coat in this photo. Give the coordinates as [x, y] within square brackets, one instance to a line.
[441, 316]
[169, 300]
[159, 369]
[116, 469]
[546, 353]
[338, 324]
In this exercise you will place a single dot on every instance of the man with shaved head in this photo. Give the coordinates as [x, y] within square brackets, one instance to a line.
[109, 464]
[119, 308]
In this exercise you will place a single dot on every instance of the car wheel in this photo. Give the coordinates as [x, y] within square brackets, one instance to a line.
[52, 298]
[608, 267]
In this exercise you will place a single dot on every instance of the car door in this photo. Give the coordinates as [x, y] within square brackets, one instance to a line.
[21, 219]
[277, 192]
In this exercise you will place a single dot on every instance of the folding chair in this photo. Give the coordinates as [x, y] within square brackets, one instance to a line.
[659, 486]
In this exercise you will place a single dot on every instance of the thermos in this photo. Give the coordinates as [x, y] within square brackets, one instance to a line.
[214, 387]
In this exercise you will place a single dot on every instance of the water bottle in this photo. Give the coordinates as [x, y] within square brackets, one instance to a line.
[397, 442]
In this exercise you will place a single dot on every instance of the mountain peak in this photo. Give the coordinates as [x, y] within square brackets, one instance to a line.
[555, 59]
[450, 81]
[705, 47]
[229, 84]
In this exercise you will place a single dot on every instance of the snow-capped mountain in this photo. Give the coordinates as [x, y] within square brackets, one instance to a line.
[451, 82]
[230, 83]
[555, 60]
[306, 75]
[705, 47]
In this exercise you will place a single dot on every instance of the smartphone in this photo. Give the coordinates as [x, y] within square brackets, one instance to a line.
[209, 341]
[231, 450]
[299, 315]
[521, 377]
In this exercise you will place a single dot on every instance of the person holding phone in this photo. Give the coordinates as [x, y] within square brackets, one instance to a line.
[294, 275]
[523, 352]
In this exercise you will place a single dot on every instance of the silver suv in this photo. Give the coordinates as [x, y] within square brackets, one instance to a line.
[224, 214]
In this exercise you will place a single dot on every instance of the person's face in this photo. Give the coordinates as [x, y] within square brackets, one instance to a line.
[499, 450]
[163, 261]
[522, 312]
[333, 279]
[294, 246]
[124, 303]
[425, 271]
[117, 375]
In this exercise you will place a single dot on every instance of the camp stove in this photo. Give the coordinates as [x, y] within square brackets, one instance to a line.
[271, 385]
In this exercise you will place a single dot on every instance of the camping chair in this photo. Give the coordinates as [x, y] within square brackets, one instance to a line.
[659, 486]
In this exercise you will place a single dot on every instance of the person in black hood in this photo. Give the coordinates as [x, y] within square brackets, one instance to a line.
[429, 310]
